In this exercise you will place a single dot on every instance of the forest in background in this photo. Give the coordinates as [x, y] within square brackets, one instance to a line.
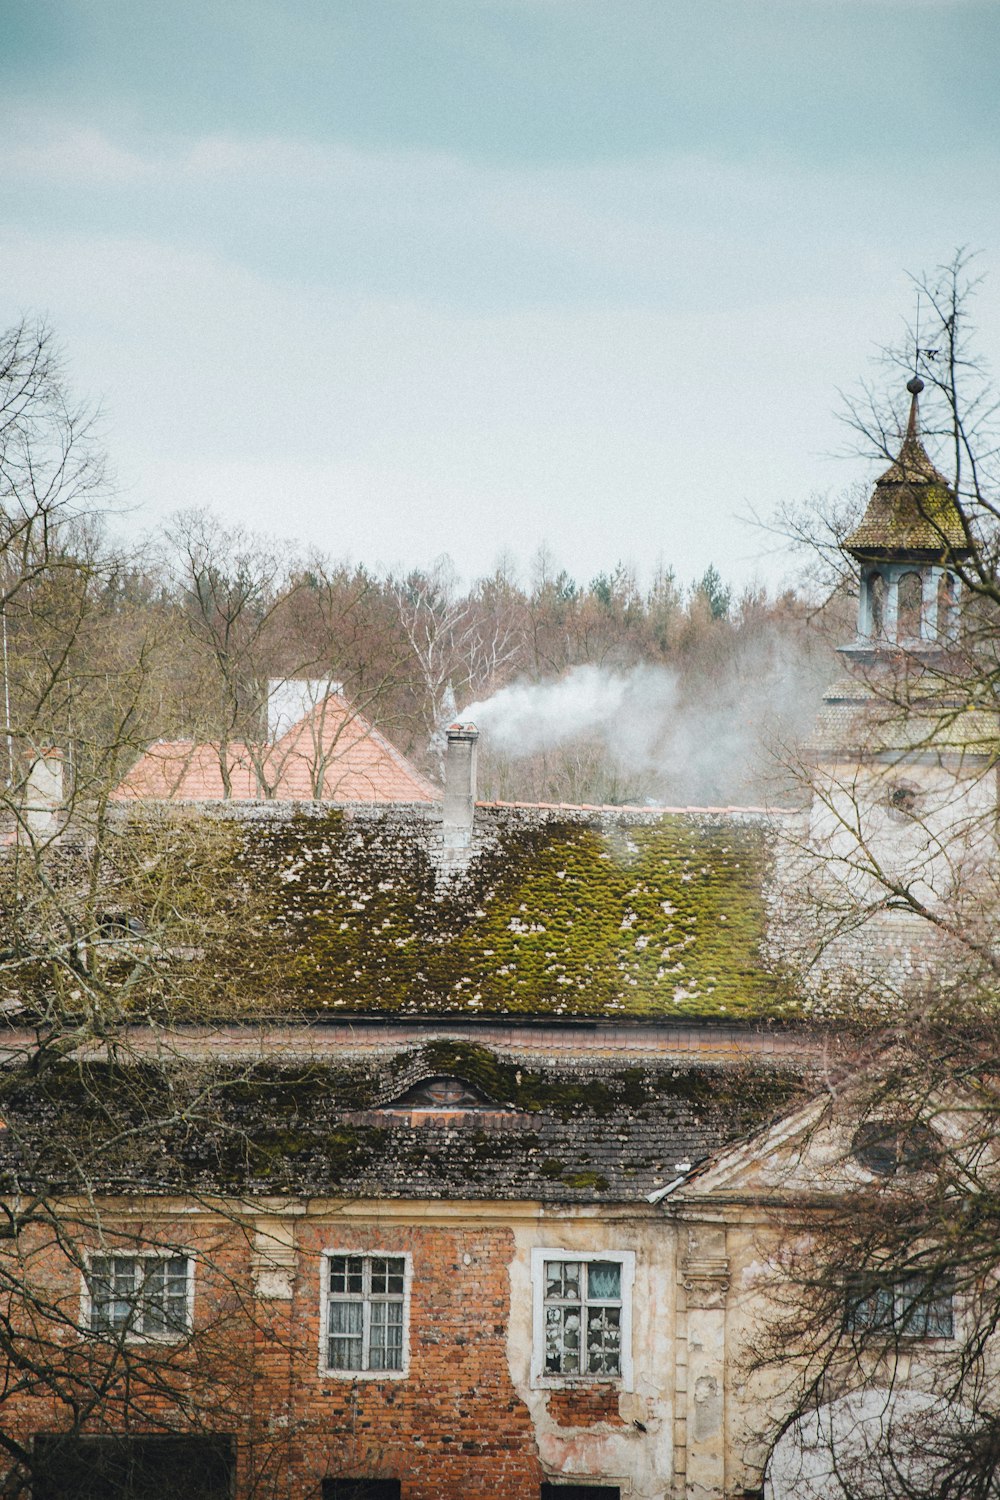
[666, 692]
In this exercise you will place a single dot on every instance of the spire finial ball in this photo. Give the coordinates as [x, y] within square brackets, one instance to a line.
[915, 386]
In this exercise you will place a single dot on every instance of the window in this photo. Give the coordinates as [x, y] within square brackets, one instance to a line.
[366, 1313]
[582, 1315]
[885, 1147]
[910, 599]
[361, 1489]
[903, 1305]
[947, 607]
[445, 1093]
[902, 802]
[118, 924]
[876, 605]
[147, 1296]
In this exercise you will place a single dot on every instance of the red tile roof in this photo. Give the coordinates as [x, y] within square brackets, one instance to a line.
[333, 752]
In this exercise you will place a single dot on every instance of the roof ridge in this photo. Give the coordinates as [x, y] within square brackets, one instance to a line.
[626, 807]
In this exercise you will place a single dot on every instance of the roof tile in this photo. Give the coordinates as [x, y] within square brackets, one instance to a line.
[334, 754]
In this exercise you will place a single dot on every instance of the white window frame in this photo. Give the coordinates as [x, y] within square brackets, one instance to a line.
[135, 1335]
[377, 1254]
[539, 1257]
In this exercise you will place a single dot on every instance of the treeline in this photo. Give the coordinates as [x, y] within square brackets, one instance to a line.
[109, 646]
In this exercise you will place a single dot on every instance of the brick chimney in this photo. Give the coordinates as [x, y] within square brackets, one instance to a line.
[43, 795]
[460, 785]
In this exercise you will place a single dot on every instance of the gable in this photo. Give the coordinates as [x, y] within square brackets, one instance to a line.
[830, 1145]
[333, 752]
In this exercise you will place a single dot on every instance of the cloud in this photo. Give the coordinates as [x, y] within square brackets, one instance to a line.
[676, 230]
[42, 147]
[401, 353]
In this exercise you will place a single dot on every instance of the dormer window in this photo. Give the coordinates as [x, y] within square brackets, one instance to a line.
[442, 1093]
[118, 924]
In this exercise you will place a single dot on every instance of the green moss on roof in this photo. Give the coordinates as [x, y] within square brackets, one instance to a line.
[659, 918]
[912, 509]
[338, 913]
[560, 1133]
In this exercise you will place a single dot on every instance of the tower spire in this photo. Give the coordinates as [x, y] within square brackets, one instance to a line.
[914, 386]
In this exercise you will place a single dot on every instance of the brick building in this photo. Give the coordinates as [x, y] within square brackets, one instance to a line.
[424, 1149]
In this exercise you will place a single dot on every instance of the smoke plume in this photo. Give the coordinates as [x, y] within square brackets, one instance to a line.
[713, 737]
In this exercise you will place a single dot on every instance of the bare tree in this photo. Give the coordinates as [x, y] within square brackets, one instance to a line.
[92, 899]
[461, 643]
[887, 1301]
[232, 586]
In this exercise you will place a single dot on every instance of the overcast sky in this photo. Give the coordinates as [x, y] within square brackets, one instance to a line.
[401, 277]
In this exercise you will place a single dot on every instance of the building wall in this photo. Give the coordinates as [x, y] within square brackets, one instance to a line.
[466, 1421]
[467, 1418]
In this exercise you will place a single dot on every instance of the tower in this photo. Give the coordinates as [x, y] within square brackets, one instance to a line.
[906, 545]
[900, 692]
[903, 790]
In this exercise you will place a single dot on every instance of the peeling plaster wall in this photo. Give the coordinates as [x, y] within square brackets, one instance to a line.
[610, 1448]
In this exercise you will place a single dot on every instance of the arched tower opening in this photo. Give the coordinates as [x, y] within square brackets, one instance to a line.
[906, 544]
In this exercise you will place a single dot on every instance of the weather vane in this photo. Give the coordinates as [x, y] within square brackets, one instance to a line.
[918, 352]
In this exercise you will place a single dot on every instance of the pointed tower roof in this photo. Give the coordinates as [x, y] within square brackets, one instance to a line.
[913, 510]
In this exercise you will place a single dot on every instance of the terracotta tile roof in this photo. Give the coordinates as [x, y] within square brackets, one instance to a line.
[334, 752]
[650, 809]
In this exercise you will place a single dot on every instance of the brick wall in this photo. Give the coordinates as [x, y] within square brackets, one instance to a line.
[452, 1428]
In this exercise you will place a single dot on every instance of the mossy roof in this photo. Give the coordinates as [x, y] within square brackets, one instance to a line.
[558, 1133]
[912, 510]
[556, 913]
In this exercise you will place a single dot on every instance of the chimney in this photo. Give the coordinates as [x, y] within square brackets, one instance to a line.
[43, 795]
[460, 785]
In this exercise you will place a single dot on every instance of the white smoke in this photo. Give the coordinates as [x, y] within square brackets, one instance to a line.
[714, 738]
[531, 716]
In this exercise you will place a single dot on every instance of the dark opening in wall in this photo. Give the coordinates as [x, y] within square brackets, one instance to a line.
[887, 1147]
[947, 606]
[909, 617]
[361, 1489]
[118, 924]
[580, 1492]
[133, 1468]
[876, 597]
[902, 803]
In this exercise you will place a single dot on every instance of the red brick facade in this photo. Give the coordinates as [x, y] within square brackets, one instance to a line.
[452, 1427]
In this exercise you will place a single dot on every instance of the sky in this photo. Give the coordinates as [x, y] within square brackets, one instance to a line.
[398, 278]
